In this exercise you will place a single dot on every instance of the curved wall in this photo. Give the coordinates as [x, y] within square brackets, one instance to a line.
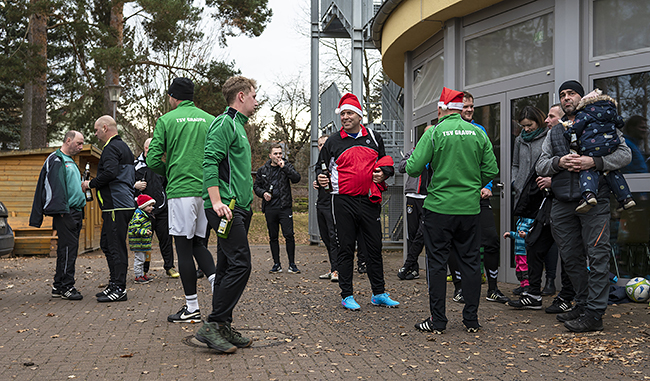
[413, 22]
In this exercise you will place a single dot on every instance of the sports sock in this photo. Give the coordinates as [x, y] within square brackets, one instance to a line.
[192, 302]
[211, 280]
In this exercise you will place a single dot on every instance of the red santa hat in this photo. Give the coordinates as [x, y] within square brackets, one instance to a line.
[451, 99]
[143, 201]
[349, 102]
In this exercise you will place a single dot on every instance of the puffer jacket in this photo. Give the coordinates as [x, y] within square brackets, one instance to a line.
[524, 157]
[280, 178]
[595, 126]
[565, 184]
[115, 177]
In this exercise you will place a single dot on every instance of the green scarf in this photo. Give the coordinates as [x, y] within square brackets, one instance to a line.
[529, 136]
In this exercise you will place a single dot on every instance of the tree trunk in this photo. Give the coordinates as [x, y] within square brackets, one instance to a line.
[38, 40]
[113, 69]
[26, 131]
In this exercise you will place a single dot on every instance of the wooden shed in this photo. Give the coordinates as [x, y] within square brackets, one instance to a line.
[19, 171]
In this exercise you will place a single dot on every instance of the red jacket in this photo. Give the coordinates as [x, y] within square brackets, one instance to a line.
[351, 162]
[376, 189]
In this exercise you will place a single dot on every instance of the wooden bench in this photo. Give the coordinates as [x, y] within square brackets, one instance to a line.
[29, 240]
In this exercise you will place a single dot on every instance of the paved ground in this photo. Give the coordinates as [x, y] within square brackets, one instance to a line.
[301, 332]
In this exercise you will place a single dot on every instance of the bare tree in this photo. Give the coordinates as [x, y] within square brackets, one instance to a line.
[290, 107]
[339, 70]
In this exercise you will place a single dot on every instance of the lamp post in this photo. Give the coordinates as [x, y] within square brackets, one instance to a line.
[114, 92]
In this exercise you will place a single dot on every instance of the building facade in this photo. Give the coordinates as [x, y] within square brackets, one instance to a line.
[514, 53]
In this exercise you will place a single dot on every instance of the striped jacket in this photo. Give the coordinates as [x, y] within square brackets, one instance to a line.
[138, 238]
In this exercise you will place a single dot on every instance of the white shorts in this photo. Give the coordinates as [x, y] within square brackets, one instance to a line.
[187, 217]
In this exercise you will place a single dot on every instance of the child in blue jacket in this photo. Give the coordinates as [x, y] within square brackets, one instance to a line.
[521, 263]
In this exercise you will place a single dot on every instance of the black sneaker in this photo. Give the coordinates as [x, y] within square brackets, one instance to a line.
[527, 302]
[56, 293]
[497, 296]
[427, 326]
[361, 269]
[199, 274]
[184, 316]
[293, 269]
[413, 274]
[549, 287]
[473, 328]
[573, 314]
[275, 269]
[106, 291]
[559, 306]
[519, 290]
[458, 296]
[115, 295]
[401, 273]
[71, 294]
[585, 323]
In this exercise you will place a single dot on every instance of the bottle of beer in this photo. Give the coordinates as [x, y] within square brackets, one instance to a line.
[326, 172]
[224, 225]
[89, 193]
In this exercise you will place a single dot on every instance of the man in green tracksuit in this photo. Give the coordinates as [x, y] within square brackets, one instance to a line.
[227, 176]
[461, 158]
[181, 134]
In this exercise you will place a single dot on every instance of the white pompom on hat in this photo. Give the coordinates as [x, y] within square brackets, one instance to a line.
[349, 102]
[451, 99]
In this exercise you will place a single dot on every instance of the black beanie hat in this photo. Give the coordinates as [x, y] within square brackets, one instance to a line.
[182, 89]
[572, 85]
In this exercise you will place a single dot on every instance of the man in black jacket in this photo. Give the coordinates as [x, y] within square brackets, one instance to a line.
[58, 194]
[152, 184]
[272, 184]
[114, 184]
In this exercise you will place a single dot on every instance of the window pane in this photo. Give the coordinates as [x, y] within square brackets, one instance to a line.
[620, 25]
[632, 93]
[427, 84]
[515, 49]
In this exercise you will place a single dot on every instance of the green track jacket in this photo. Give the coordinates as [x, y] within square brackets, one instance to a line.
[180, 134]
[227, 161]
[460, 155]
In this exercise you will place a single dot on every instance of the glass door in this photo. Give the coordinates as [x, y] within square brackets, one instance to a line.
[539, 96]
[490, 111]
[498, 114]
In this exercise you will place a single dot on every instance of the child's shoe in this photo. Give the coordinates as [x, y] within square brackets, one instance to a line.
[626, 204]
[587, 202]
[141, 280]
